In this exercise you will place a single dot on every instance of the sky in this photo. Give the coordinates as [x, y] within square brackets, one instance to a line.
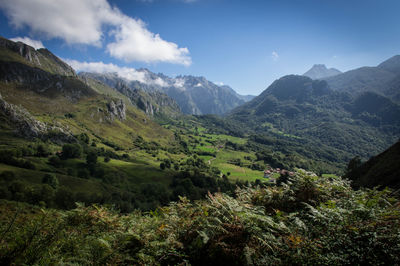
[245, 44]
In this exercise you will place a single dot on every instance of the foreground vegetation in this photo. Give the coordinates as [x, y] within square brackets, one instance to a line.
[308, 220]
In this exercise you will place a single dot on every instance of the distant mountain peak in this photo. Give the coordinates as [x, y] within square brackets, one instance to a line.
[319, 71]
[391, 65]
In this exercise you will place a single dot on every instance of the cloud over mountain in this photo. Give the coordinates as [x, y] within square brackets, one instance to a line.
[128, 73]
[34, 43]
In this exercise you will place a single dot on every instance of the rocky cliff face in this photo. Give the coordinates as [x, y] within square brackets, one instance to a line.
[39, 71]
[41, 58]
[117, 110]
[28, 127]
[152, 102]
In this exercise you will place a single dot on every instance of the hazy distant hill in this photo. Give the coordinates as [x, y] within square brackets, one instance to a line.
[194, 95]
[320, 71]
[383, 79]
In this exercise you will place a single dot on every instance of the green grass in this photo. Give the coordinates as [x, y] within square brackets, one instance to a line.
[330, 175]
[239, 173]
[139, 171]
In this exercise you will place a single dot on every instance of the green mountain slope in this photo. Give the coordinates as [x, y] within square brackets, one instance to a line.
[382, 79]
[315, 117]
[381, 170]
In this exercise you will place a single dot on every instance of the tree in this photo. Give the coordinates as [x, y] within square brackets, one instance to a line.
[84, 138]
[70, 151]
[162, 166]
[51, 180]
[91, 158]
[42, 151]
[167, 163]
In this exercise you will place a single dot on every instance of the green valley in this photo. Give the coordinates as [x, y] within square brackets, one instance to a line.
[97, 169]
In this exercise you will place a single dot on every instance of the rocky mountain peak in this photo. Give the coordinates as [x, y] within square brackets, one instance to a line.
[41, 58]
[319, 71]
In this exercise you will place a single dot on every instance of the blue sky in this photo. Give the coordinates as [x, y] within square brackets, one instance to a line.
[245, 44]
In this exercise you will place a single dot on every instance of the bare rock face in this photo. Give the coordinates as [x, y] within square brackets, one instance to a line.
[29, 127]
[146, 106]
[117, 110]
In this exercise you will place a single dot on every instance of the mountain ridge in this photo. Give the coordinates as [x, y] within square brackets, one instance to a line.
[382, 79]
[194, 95]
[319, 71]
[301, 108]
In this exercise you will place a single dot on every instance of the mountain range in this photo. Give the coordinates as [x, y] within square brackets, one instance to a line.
[194, 95]
[348, 114]
[382, 79]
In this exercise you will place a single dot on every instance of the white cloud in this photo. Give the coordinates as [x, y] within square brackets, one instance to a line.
[274, 56]
[127, 73]
[199, 85]
[87, 21]
[134, 42]
[34, 43]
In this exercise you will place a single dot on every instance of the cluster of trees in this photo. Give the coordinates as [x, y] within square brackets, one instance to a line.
[15, 156]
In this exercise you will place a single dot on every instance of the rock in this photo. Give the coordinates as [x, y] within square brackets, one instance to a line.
[117, 110]
[28, 127]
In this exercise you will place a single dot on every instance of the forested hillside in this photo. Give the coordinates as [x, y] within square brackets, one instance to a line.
[307, 111]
